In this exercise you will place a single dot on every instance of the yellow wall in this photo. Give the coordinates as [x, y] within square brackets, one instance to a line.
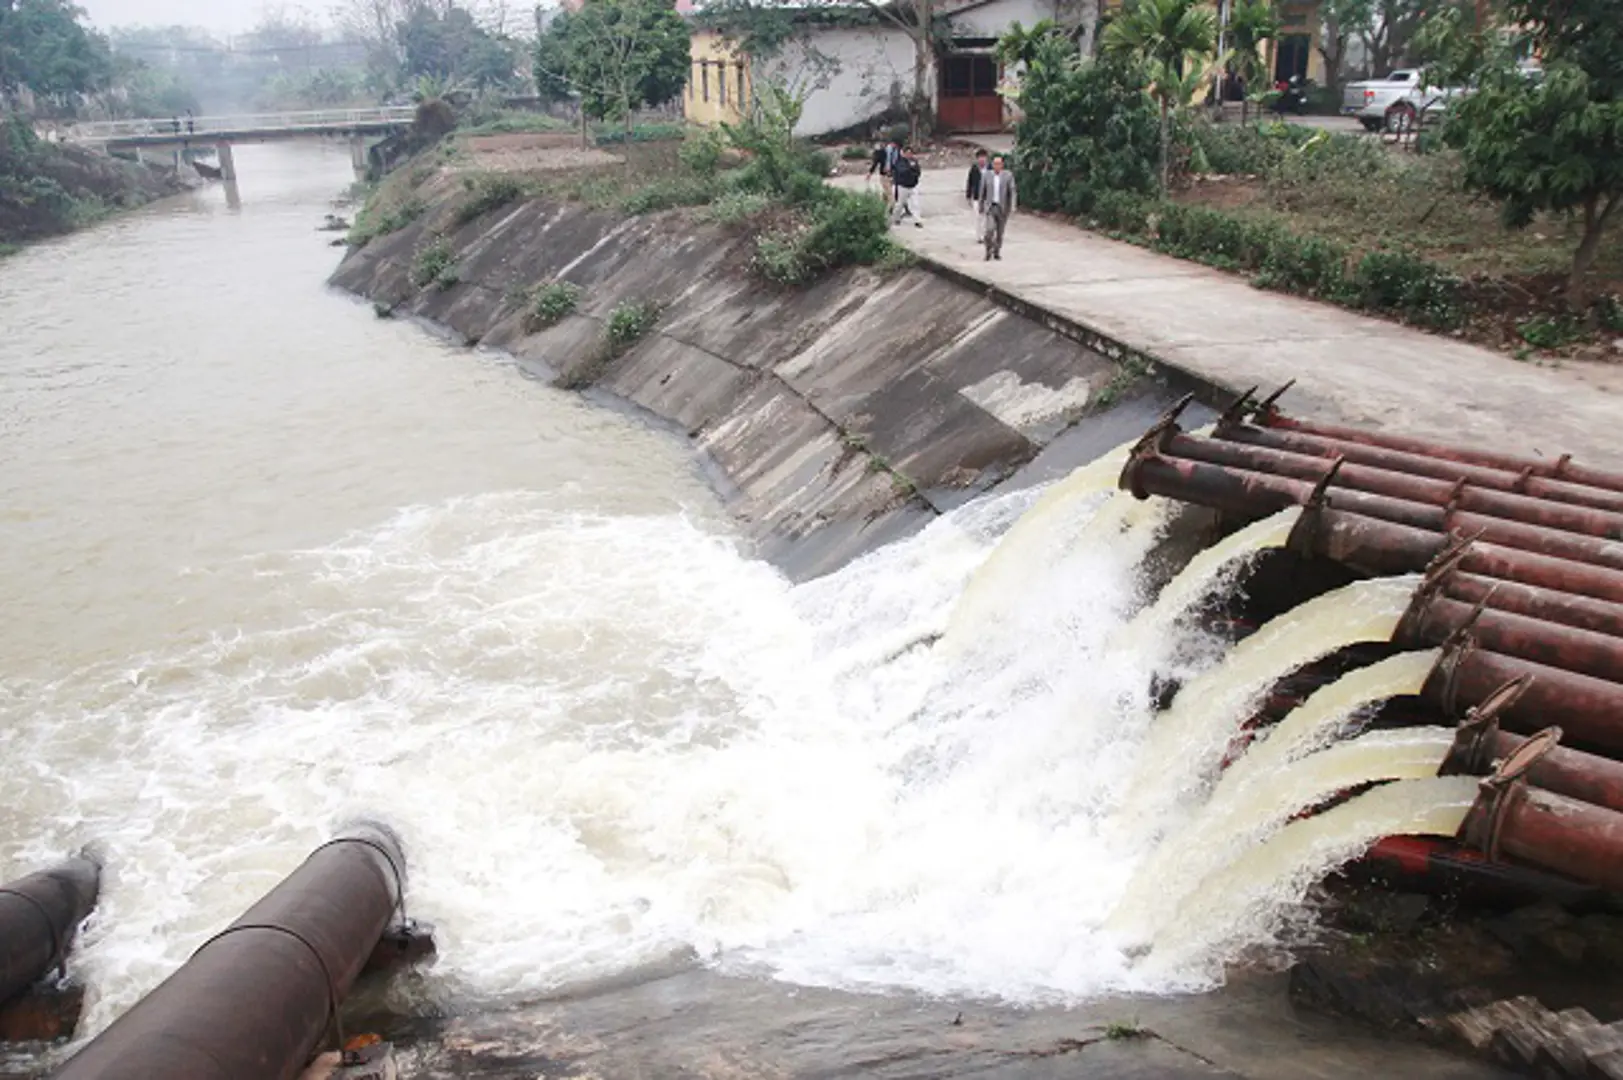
[714, 94]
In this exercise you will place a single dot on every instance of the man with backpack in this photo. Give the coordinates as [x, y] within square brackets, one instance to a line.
[905, 175]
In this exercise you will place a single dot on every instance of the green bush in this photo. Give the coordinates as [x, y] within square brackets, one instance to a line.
[670, 193]
[435, 265]
[511, 122]
[373, 221]
[487, 192]
[1122, 212]
[856, 153]
[848, 229]
[1305, 265]
[701, 151]
[629, 323]
[550, 303]
[780, 258]
[1550, 332]
[1404, 283]
[1609, 311]
[642, 133]
[1088, 129]
[737, 207]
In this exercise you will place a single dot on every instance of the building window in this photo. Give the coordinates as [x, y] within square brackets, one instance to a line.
[721, 83]
[742, 96]
[704, 78]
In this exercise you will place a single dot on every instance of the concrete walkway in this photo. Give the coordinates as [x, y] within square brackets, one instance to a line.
[1349, 368]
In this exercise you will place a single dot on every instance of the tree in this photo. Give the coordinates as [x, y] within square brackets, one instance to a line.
[617, 56]
[47, 50]
[1168, 38]
[1553, 145]
[1392, 30]
[1339, 22]
[448, 43]
[1252, 23]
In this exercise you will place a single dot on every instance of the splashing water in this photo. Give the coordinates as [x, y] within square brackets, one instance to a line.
[1188, 741]
[1242, 901]
[1235, 819]
[1315, 721]
[1208, 572]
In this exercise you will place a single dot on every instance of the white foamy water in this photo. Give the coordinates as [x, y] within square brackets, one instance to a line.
[268, 573]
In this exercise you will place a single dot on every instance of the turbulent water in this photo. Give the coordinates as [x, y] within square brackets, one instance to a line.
[271, 562]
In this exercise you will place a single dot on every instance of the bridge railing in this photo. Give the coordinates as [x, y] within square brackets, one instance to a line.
[104, 130]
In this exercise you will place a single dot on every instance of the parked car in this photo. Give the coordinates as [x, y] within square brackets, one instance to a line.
[1401, 96]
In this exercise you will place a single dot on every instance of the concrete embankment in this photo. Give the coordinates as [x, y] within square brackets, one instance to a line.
[839, 416]
[54, 189]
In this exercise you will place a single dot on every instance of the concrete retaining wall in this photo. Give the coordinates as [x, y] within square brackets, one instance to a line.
[840, 416]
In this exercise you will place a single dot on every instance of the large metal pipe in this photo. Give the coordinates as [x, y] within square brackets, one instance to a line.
[1429, 491]
[254, 1002]
[1589, 778]
[1150, 469]
[1381, 457]
[1435, 619]
[1251, 494]
[38, 916]
[1562, 468]
[1571, 837]
[1588, 710]
[1599, 616]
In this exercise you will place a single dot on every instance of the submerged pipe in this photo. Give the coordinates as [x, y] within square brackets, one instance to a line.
[255, 1000]
[1382, 457]
[1430, 491]
[38, 916]
[1562, 468]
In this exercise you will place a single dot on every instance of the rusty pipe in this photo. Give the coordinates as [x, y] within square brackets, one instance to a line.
[39, 914]
[1434, 619]
[1589, 778]
[1381, 457]
[1555, 832]
[1585, 613]
[1256, 494]
[1430, 491]
[257, 999]
[1589, 710]
[1562, 468]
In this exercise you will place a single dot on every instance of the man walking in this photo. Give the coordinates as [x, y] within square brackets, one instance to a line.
[972, 192]
[997, 203]
[905, 175]
[884, 163]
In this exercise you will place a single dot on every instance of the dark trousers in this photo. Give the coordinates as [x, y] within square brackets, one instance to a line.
[996, 218]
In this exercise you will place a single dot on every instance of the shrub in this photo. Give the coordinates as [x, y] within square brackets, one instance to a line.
[1122, 212]
[781, 258]
[642, 133]
[669, 193]
[1304, 265]
[1609, 311]
[701, 151]
[856, 153]
[848, 229]
[628, 323]
[1088, 128]
[435, 265]
[737, 207]
[550, 303]
[1404, 283]
[487, 192]
[375, 221]
[1550, 332]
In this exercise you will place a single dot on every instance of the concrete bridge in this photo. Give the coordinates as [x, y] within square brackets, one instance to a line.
[222, 132]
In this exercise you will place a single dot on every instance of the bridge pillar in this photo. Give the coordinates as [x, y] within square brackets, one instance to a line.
[228, 163]
[357, 155]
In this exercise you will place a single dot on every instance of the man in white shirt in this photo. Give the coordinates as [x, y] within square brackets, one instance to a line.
[997, 203]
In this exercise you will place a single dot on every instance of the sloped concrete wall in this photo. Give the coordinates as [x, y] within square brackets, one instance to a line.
[840, 416]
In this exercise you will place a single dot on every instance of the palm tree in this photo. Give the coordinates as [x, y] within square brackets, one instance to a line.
[1251, 23]
[1169, 38]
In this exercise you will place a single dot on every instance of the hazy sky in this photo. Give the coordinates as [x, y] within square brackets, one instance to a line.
[221, 16]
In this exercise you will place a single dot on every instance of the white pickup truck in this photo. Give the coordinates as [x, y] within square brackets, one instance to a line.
[1397, 102]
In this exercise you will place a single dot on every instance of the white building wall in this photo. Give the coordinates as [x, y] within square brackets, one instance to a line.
[853, 75]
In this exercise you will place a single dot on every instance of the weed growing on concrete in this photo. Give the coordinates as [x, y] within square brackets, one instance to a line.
[1121, 1031]
[550, 303]
[376, 220]
[629, 323]
[435, 265]
[668, 194]
[737, 208]
[487, 192]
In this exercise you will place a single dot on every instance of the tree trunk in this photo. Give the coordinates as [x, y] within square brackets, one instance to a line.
[920, 102]
[1596, 217]
[1166, 146]
[585, 132]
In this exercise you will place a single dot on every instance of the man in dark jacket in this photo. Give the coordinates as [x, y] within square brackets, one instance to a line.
[905, 175]
[884, 163]
[972, 192]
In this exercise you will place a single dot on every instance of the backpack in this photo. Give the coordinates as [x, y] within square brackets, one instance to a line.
[906, 173]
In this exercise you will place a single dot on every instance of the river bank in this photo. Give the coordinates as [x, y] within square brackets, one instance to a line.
[47, 189]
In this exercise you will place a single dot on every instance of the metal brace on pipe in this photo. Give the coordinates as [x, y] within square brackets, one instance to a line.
[1472, 752]
[1501, 791]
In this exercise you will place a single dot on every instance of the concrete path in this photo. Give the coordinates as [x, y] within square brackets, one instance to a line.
[1349, 368]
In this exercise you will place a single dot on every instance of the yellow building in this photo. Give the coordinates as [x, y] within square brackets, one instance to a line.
[719, 82]
[1295, 50]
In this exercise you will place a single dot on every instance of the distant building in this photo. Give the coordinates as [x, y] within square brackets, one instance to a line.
[858, 66]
